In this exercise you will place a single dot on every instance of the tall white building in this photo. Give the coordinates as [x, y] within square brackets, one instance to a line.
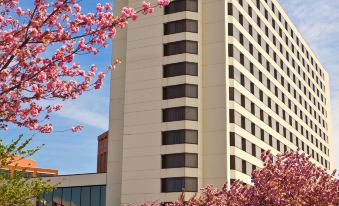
[205, 86]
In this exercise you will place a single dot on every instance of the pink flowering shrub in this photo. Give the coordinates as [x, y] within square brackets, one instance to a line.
[37, 51]
[292, 180]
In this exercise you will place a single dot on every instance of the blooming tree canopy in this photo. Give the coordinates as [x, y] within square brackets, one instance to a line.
[290, 180]
[37, 52]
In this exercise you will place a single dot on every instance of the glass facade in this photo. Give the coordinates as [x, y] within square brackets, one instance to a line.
[75, 196]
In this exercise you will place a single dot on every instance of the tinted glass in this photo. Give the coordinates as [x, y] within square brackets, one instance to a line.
[182, 90]
[185, 25]
[57, 194]
[66, 196]
[76, 196]
[95, 195]
[102, 195]
[48, 198]
[182, 5]
[180, 137]
[182, 68]
[180, 113]
[180, 160]
[181, 47]
[188, 184]
[85, 196]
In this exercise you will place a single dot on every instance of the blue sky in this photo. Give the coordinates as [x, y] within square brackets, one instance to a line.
[318, 22]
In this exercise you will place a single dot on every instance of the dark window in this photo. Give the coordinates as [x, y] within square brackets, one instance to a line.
[180, 137]
[102, 195]
[181, 47]
[182, 5]
[179, 184]
[180, 113]
[85, 196]
[179, 160]
[44, 175]
[185, 25]
[66, 196]
[57, 195]
[27, 174]
[182, 90]
[181, 68]
[76, 196]
[5, 172]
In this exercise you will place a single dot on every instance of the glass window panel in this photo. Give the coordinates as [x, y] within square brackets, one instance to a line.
[102, 195]
[179, 69]
[76, 196]
[85, 196]
[95, 195]
[66, 196]
[49, 199]
[57, 195]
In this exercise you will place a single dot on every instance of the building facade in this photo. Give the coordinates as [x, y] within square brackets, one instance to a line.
[102, 153]
[28, 168]
[204, 88]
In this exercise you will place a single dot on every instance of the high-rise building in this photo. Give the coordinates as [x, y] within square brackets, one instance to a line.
[205, 86]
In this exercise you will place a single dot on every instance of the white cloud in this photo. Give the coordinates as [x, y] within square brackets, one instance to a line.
[87, 110]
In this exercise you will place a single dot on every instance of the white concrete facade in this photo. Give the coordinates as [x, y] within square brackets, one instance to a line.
[239, 113]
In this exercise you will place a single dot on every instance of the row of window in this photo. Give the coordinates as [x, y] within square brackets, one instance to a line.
[241, 165]
[183, 136]
[75, 196]
[285, 39]
[273, 55]
[237, 141]
[26, 174]
[236, 96]
[234, 52]
[260, 133]
[276, 44]
[293, 36]
[256, 36]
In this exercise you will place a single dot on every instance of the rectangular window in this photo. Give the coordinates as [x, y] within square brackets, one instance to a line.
[179, 184]
[181, 47]
[179, 69]
[182, 5]
[182, 90]
[179, 160]
[180, 137]
[180, 113]
[185, 25]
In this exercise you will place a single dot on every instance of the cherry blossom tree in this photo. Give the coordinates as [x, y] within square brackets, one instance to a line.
[290, 180]
[38, 47]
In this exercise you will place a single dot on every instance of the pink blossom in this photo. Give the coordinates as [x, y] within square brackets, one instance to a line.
[33, 74]
[77, 128]
[77, 7]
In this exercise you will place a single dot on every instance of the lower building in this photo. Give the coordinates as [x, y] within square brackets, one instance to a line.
[28, 168]
[77, 190]
[102, 153]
